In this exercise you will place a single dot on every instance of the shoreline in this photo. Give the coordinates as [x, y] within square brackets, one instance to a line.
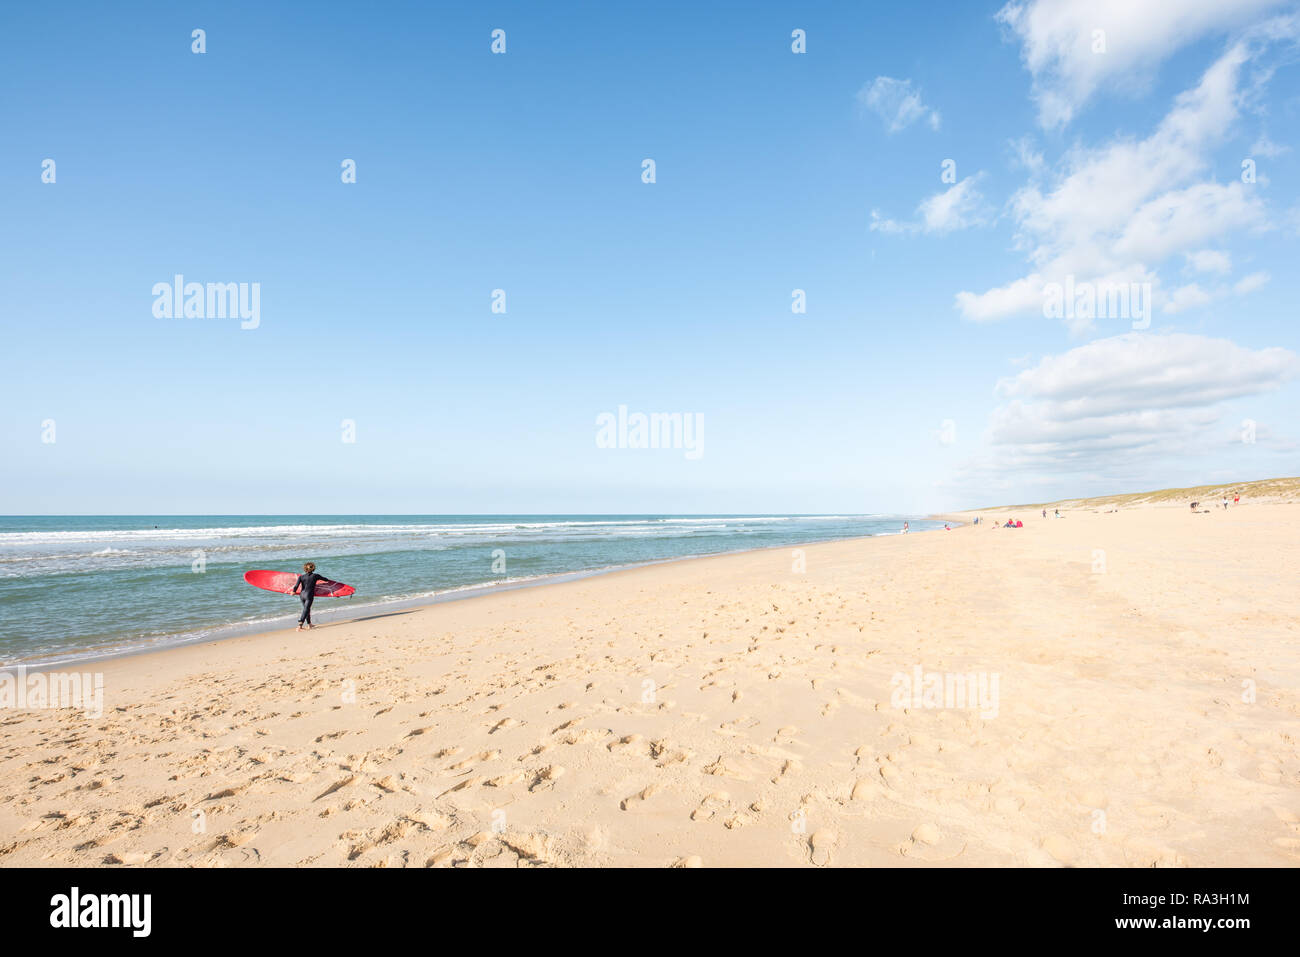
[338, 616]
[1142, 671]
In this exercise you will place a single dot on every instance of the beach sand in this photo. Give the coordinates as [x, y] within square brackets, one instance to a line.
[734, 710]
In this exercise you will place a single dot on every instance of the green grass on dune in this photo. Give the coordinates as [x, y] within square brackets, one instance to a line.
[1276, 488]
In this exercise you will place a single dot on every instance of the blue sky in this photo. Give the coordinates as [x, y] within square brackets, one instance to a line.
[923, 375]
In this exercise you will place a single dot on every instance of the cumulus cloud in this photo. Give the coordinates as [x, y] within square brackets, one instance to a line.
[1192, 295]
[898, 103]
[1209, 260]
[1186, 297]
[1076, 48]
[1133, 393]
[1250, 283]
[958, 207]
[1267, 148]
[1124, 208]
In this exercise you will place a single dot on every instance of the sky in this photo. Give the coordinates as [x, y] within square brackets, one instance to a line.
[942, 188]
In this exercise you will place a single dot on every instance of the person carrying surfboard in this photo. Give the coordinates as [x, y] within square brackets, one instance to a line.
[305, 588]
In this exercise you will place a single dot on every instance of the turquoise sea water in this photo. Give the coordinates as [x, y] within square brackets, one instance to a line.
[78, 586]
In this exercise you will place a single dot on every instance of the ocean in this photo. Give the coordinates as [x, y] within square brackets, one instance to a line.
[77, 587]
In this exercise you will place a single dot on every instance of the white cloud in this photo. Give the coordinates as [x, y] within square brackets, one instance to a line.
[1130, 393]
[958, 207]
[1209, 260]
[1020, 296]
[1178, 218]
[898, 103]
[1070, 61]
[1186, 297]
[1192, 295]
[1028, 157]
[1267, 148]
[1250, 283]
[1122, 209]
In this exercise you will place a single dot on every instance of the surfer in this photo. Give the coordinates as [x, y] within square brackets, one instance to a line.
[305, 588]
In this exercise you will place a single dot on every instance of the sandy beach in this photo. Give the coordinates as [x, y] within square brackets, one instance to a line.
[1140, 670]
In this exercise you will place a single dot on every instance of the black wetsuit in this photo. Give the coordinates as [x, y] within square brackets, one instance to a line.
[306, 590]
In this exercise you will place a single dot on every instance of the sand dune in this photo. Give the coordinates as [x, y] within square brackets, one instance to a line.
[739, 710]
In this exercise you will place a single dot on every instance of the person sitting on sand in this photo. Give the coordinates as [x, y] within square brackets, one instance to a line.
[305, 588]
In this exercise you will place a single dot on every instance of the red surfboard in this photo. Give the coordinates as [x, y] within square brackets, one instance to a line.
[284, 583]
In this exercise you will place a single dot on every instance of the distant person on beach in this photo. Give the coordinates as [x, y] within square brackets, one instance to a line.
[305, 588]
[1058, 514]
[1044, 513]
[905, 528]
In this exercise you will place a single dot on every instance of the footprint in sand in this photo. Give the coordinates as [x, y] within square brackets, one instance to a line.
[668, 754]
[429, 820]
[128, 858]
[927, 834]
[864, 789]
[462, 786]
[739, 820]
[634, 802]
[715, 803]
[473, 759]
[440, 858]
[789, 766]
[891, 775]
[505, 780]
[546, 778]
[725, 769]
[1060, 848]
[821, 846]
[632, 743]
